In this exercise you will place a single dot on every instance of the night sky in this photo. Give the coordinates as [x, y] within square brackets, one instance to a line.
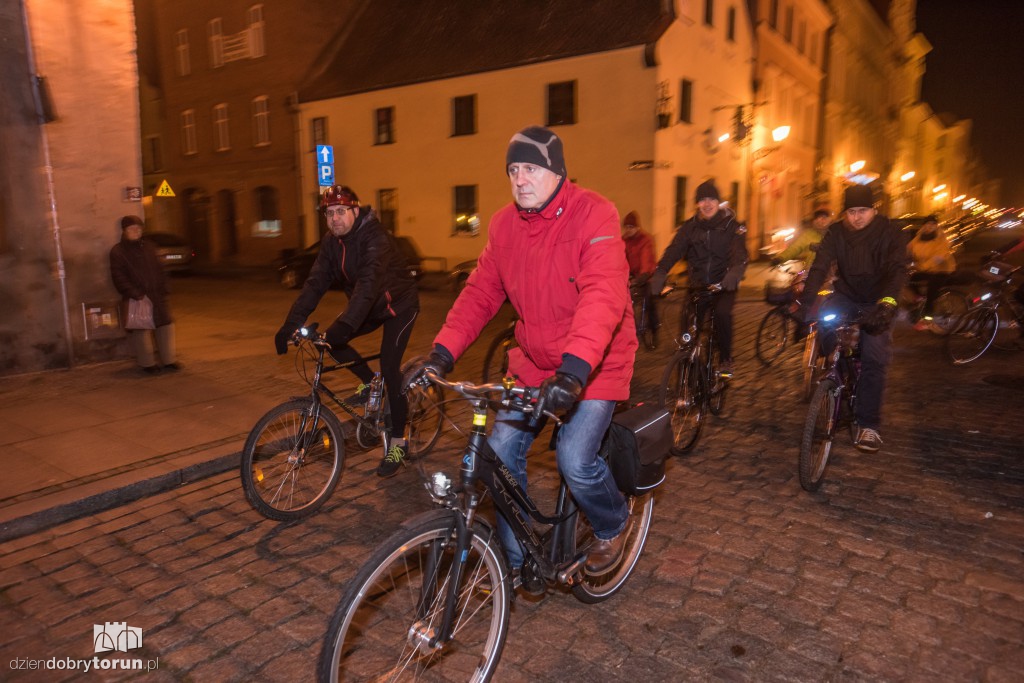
[976, 71]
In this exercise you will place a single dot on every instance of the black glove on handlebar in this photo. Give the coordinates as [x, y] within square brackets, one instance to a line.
[282, 337]
[656, 283]
[731, 281]
[558, 393]
[879, 319]
[439, 362]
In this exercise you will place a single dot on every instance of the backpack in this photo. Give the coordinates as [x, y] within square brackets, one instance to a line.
[635, 447]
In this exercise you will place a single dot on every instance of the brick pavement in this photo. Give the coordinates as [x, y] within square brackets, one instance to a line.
[906, 566]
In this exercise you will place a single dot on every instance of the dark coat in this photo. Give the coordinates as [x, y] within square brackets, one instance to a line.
[871, 263]
[711, 248]
[371, 270]
[136, 272]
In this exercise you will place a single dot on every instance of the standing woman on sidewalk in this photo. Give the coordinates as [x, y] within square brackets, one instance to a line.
[137, 273]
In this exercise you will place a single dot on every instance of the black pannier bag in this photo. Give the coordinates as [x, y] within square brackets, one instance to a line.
[636, 446]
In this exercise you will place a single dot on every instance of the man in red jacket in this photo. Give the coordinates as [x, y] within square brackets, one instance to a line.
[557, 255]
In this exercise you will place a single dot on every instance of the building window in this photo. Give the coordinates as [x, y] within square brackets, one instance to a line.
[940, 141]
[801, 37]
[181, 54]
[268, 216]
[215, 35]
[680, 212]
[730, 26]
[220, 128]
[318, 126]
[709, 12]
[562, 103]
[812, 48]
[773, 14]
[686, 101]
[260, 121]
[467, 221]
[387, 208]
[152, 154]
[189, 145]
[787, 29]
[384, 133]
[734, 197]
[464, 115]
[256, 44]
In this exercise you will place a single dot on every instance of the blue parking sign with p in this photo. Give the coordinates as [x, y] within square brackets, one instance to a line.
[326, 175]
[325, 164]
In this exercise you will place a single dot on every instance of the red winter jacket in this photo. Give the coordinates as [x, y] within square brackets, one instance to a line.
[564, 271]
[640, 254]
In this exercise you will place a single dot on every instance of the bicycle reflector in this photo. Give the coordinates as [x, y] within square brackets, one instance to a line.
[829, 317]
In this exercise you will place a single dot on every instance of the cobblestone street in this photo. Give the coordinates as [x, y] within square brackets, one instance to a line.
[907, 566]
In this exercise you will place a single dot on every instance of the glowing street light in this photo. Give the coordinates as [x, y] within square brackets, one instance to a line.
[939, 188]
[723, 137]
[857, 165]
[781, 133]
[959, 198]
[907, 176]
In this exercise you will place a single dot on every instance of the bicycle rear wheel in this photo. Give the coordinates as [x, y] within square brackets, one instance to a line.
[426, 418]
[972, 335]
[393, 608]
[291, 463]
[644, 331]
[496, 360]
[591, 589]
[772, 335]
[683, 394]
[819, 433]
[947, 309]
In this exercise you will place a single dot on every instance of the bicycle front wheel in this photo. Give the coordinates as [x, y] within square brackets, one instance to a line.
[683, 394]
[591, 589]
[386, 624]
[772, 335]
[819, 433]
[644, 331]
[972, 335]
[426, 418]
[949, 306]
[292, 460]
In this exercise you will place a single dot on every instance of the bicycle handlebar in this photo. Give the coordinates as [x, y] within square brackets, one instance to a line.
[520, 398]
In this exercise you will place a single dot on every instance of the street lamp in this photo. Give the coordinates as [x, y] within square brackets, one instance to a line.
[781, 133]
[907, 176]
[857, 165]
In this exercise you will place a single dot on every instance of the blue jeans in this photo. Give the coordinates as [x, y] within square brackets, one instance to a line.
[587, 475]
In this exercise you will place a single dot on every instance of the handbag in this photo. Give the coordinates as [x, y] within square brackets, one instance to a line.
[140, 314]
[636, 446]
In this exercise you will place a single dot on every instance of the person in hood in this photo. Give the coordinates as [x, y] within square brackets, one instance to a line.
[362, 256]
[934, 263]
[556, 253]
[136, 271]
[870, 260]
[714, 244]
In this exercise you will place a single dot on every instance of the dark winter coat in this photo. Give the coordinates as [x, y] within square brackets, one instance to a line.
[711, 247]
[136, 272]
[871, 263]
[563, 268]
[370, 269]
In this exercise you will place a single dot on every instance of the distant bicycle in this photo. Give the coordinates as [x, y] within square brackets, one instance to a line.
[977, 330]
[778, 325]
[645, 332]
[292, 459]
[692, 385]
[949, 305]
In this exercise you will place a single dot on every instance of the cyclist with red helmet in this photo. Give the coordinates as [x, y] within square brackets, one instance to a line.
[363, 257]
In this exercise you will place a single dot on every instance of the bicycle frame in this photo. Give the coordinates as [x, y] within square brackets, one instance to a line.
[700, 336]
[318, 389]
[842, 363]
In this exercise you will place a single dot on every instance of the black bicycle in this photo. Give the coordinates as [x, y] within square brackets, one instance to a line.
[645, 332]
[778, 325]
[833, 402]
[978, 329]
[692, 385]
[292, 459]
[433, 601]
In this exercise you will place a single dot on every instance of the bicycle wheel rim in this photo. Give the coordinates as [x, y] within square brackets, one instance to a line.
[291, 462]
[381, 629]
[972, 336]
[812, 365]
[772, 336]
[682, 394]
[426, 418]
[819, 434]
[947, 309]
[592, 589]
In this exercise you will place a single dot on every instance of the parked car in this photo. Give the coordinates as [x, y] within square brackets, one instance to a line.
[295, 265]
[458, 275]
[174, 252]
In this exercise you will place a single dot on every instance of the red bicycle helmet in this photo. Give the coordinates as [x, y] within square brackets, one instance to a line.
[338, 195]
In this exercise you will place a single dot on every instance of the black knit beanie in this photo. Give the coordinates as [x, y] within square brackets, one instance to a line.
[707, 190]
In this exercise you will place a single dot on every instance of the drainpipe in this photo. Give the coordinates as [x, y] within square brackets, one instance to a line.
[44, 112]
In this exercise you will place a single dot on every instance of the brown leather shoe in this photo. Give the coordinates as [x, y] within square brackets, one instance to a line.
[604, 555]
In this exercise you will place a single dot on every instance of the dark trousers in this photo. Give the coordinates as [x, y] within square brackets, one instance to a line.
[875, 357]
[933, 283]
[397, 331]
[722, 303]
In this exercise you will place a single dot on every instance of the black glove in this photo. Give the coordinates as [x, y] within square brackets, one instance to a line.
[558, 393]
[282, 337]
[731, 281]
[338, 334]
[657, 282]
[880, 318]
[775, 261]
[439, 362]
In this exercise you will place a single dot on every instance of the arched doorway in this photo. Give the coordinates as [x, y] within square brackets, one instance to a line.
[196, 204]
[226, 220]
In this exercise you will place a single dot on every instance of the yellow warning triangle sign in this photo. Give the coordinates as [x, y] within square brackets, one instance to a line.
[165, 190]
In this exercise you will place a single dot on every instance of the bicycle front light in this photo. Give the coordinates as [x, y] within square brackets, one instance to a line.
[440, 485]
[828, 318]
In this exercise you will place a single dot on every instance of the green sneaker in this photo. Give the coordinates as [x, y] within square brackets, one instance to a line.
[391, 462]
